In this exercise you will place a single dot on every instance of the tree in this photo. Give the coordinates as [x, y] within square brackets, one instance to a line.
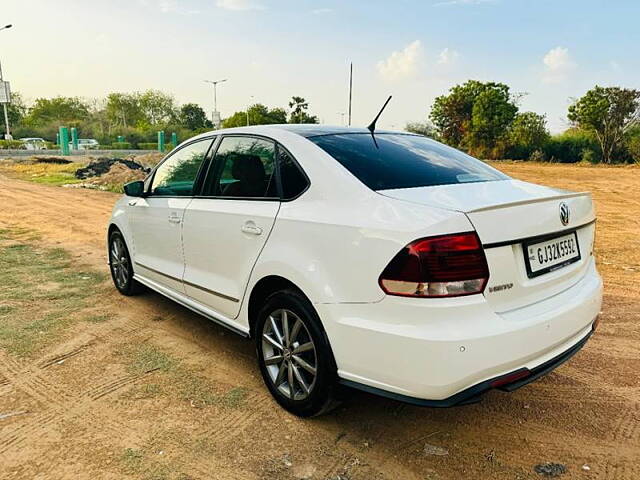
[57, 109]
[474, 115]
[17, 109]
[608, 112]
[491, 117]
[149, 109]
[632, 143]
[157, 107]
[193, 117]
[529, 128]
[422, 128]
[123, 109]
[299, 113]
[258, 114]
[527, 133]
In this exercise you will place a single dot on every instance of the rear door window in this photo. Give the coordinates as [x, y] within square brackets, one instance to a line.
[391, 161]
[245, 168]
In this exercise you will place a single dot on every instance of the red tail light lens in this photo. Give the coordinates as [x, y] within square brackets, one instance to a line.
[443, 266]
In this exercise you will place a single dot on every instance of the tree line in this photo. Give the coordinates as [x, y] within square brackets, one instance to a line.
[136, 116]
[483, 119]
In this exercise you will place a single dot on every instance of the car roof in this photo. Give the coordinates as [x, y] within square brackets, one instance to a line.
[304, 130]
[314, 130]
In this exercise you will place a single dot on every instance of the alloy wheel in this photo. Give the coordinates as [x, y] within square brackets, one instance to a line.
[119, 262]
[289, 354]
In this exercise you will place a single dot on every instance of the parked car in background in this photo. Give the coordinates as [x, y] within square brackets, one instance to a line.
[86, 144]
[34, 143]
[387, 262]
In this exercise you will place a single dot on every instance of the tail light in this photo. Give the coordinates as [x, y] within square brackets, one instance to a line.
[443, 266]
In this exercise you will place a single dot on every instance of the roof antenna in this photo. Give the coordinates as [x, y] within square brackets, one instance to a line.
[372, 125]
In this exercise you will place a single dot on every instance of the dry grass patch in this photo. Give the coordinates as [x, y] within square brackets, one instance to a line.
[41, 290]
[47, 173]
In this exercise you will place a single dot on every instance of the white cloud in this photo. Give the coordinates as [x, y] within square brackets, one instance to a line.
[322, 11]
[558, 64]
[239, 5]
[448, 56]
[557, 59]
[401, 64]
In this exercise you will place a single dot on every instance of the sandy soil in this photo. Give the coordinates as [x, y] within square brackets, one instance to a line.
[83, 414]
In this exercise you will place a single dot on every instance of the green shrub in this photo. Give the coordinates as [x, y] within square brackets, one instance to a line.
[148, 146]
[121, 146]
[10, 144]
[519, 152]
[589, 156]
[537, 156]
[633, 145]
[569, 147]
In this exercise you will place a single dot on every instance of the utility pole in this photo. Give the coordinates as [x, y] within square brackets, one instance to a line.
[5, 97]
[215, 115]
[350, 89]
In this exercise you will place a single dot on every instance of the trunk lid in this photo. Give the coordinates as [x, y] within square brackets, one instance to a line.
[510, 216]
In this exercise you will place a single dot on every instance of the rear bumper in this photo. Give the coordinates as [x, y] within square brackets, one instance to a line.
[443, 352]
[473, 394]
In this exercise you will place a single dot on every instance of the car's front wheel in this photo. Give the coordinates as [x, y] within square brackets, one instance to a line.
[121, 266]
[295, 358]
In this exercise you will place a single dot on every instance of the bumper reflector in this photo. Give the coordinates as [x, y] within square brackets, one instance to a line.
[510, 377]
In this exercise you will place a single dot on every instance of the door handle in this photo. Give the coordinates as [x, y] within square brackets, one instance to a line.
[174, 218]
[251, 228]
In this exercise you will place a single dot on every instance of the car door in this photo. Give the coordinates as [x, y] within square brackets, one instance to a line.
[226, 228]
[156, 219]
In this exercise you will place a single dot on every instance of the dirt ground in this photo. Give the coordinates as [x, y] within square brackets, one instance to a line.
[190, 404]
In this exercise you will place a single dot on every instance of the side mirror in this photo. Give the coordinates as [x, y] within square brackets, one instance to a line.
[134, 189]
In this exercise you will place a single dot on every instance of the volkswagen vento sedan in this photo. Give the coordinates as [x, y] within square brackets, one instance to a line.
[389, 262]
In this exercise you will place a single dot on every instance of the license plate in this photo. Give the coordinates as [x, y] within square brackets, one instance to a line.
[545, 256]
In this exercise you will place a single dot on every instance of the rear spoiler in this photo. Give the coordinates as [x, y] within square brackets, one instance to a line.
[530, 201]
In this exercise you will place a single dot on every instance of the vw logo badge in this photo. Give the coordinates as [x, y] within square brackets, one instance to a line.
[564, 213]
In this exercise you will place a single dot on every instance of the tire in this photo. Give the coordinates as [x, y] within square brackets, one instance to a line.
[295, 360]
[121, 266]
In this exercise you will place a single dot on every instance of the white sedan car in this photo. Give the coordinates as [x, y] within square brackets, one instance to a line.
[387, 262]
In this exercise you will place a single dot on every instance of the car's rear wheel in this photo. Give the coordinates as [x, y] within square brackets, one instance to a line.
[294, 355]
[121, 266]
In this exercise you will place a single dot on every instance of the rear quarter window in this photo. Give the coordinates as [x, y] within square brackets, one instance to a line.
[404, 161]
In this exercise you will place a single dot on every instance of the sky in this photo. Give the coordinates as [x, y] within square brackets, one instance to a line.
[549, 51]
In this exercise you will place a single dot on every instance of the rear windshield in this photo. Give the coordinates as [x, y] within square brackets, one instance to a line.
[403, 161]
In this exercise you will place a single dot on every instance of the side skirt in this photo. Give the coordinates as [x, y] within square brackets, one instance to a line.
[192, 305]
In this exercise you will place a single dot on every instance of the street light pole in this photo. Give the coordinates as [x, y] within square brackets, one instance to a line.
[7, 134]
[215, 116]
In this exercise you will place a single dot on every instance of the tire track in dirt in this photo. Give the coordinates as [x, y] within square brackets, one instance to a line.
[627, 428]
[26, 378]
[19, 434]
[104, 389]
[57, 359]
